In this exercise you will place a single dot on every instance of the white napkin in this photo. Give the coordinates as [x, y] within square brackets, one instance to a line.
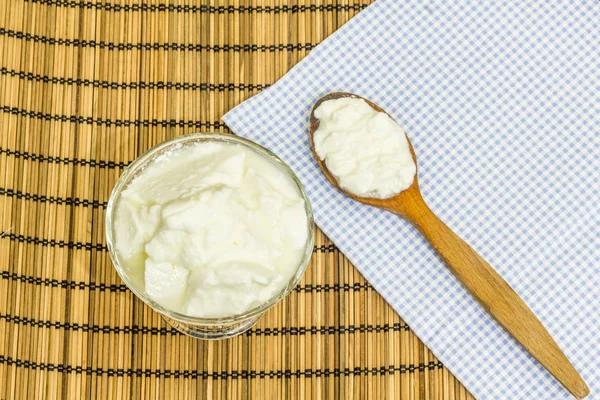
[501, 101]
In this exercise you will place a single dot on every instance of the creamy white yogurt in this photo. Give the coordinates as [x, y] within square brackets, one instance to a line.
[211, 229]
[365, 150]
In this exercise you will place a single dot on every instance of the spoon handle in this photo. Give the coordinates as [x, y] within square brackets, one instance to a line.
[495, 295]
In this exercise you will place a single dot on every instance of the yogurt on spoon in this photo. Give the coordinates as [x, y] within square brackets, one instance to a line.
[365, 150]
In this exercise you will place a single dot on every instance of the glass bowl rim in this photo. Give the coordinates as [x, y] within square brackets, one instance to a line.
[138, 165]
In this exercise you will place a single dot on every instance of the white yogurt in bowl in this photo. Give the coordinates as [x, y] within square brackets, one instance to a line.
[210, 229]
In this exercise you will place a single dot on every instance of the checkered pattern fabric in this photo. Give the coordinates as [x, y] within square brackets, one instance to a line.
[501, 101]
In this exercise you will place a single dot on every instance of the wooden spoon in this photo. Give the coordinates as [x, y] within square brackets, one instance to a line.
[494, 294]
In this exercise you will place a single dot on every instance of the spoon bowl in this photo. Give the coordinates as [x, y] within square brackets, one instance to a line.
[478, 277]
[393, 204]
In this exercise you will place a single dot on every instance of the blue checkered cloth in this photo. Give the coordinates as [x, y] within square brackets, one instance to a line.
[501, 101]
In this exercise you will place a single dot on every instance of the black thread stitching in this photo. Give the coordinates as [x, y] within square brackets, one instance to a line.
[28, 37]
[329, 330]
[102, 287]
[243, 374]
[59, 160]
[100, 247]
[62, 283]
[108, 122]
[220, 87]
[337, 287]
[69, 201]
[144, 330]
[202, 8]
[55, 243]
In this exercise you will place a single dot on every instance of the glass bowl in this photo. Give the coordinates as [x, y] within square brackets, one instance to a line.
[205, 328]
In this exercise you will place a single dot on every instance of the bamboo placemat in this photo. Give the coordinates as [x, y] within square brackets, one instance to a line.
[84, 88]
